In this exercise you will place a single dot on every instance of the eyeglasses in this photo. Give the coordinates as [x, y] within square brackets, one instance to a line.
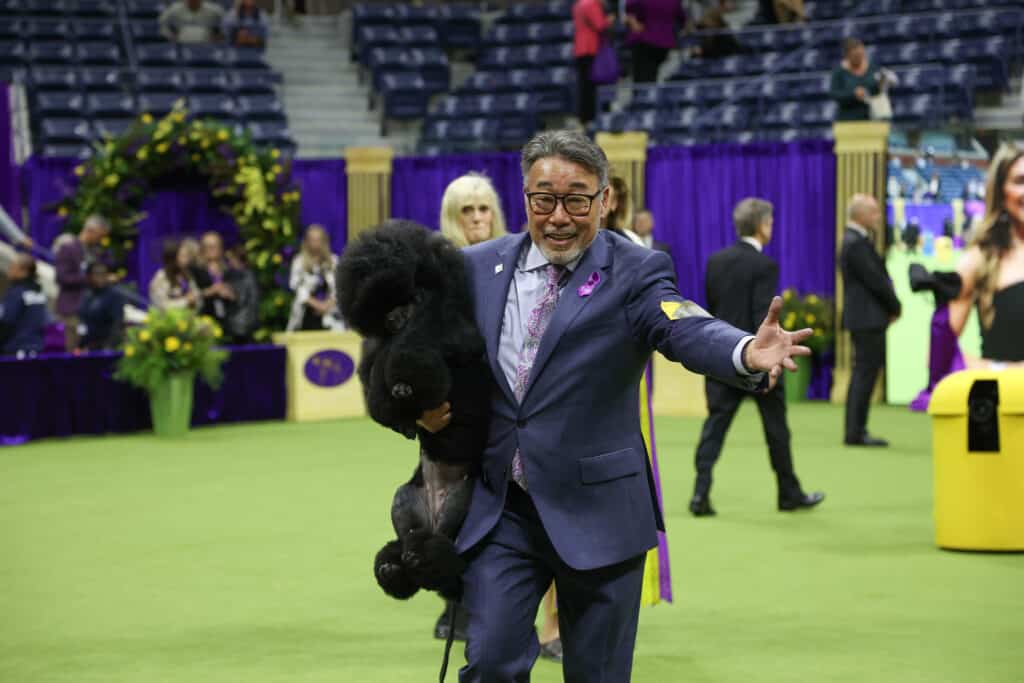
[544, 203]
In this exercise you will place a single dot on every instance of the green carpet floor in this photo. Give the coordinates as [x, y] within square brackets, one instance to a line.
[243, 555]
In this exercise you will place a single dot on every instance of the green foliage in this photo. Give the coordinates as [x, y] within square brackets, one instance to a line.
[810, 311]
[253, 185]
[171, 341]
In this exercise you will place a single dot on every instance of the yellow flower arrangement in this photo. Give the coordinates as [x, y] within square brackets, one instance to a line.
[111, 180]
[809, 311]
[142, 154]
[144, 336]
[129, 351]
[172, 344]
[147, 118]
[182, 346]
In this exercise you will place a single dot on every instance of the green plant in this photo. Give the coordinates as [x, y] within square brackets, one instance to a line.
[175, 340]
[252, 184]
[810, 311]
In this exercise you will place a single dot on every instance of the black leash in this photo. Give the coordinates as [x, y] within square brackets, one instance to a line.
[451, 638]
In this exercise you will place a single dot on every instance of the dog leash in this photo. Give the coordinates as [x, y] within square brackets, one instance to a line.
[450, 639]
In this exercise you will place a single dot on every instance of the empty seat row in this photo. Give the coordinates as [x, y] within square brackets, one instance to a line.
[457, 26]
[58, 8]
[62, 30]
[109, 105]
[554, 88]
[70, 131]
[430, 63]
[478, 134]
[52, 52]
[526, 57]
[169, 54]
[371, 37]
[523, 34]
[242, 82]
[487, 106]
[528, 13]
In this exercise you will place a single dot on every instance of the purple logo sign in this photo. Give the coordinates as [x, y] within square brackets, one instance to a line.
[329, 368]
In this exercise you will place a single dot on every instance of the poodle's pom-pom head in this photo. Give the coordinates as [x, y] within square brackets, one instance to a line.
[391, 574]
[377, 277]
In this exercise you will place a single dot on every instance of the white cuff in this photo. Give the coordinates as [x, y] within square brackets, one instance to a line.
[737, 357]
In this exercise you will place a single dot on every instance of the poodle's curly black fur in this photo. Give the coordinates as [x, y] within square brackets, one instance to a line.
[405, 290]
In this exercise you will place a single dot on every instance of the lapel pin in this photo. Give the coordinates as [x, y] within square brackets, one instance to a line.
[498, 268]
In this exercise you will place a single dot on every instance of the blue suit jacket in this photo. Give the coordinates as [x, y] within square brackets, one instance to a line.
[578, 426]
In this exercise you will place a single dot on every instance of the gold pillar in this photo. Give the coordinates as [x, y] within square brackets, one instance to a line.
[627, 156]
[369, 187]
[860, 168]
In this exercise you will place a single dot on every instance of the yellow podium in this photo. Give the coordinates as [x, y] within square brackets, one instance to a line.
[978, 448]
[320, 373]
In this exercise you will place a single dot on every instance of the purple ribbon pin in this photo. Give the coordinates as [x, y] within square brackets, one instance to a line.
[587, 288]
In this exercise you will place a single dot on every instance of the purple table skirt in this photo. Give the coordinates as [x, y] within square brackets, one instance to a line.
[64, 395]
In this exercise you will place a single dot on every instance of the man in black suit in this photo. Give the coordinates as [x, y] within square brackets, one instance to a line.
[643, 226]
[869, 305]
[740, 283]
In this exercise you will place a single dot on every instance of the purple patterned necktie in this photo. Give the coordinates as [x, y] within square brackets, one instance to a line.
[538, 321]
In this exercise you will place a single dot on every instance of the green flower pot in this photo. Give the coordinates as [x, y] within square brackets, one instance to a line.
[796, 383]
[170, 404]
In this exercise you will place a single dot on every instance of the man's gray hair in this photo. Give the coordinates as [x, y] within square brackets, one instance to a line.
[749, 214]
[570, 145]
[99, 220]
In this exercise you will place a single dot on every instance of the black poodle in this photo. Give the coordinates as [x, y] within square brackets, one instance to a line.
[405, 290]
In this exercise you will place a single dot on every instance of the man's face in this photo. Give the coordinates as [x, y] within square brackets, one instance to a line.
[560, 236]
[211, 248]
[764, 231]
[17, 270]
[644, 224]
[98, 276]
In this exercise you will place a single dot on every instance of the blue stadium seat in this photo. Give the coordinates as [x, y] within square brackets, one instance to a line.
[91, 30]
[79, 151]
[509, 34]
[144, 9]
[817, 113]
[261, 108]
[373, 36]
[554, 55]
[675, 96]
[712, 92]
[459, 26]
[726, 67]
[201, 56]
[102, 79]
[542, 11]
[617, 122]
[51, 52]
[555, 89]
[206, 81]
[245, 58]
[732, 117]
[405, 96]
[553, 32]
[49, 79]
[101, 54]
[11, 28]
[463, 135]
[91, 9]
[107, 105]
[432, 64]
[815, 87]
[157, 55]
[781, 114]
[44, 8]
[159, 80]
[917, 108]
[221, 107]
[157, 104]
[269, 133]
[13, 52]
[253, 82]
[54, 104]
[65, 131]
[46, 29]
[10, 9]
[489, 82]
[143, 32]
[112, 127]
[677, 120]
[516, 130]
[412, 15]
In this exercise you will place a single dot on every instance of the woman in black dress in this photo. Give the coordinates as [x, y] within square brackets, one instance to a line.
[992, 271]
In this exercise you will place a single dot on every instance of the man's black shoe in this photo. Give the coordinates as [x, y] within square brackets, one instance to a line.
[867, 440]
[700, 506]
[804, 500]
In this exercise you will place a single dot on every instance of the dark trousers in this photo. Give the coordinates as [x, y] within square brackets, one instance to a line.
[646, 61]
[868, 360]
[507, 576]
[586, 98]
[723, 402]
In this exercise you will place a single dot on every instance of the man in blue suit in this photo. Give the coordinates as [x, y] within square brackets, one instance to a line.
[571, 315]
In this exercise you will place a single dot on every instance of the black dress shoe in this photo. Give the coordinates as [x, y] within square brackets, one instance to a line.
[700, 506]
[867, 440]
[804, 500]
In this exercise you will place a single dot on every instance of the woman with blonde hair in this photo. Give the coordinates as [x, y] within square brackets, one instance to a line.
[992, 271]
[470, 211]
[312, 281]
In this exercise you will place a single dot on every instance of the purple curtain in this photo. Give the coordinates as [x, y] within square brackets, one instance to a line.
[64, 395]
[930, 217]
[9, 194]
[418, 183]
[691, 191]
[184, 211]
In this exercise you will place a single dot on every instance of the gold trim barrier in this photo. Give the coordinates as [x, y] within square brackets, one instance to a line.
[368, 170]
[627, 155]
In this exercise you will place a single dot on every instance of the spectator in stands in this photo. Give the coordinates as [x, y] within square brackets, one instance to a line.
[789, 11]
[23, 315]
[470, 211]
[643, 226]
[245, 25]
[853, 82]
[217, 294]
[102, 312]
[312, 281]
[192, 21]
[73, 255]
[653, 26]
[244, 313]
[173, 286]
[590, 21]
[720, 43]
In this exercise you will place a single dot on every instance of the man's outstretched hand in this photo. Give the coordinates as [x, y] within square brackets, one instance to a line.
[773, 348]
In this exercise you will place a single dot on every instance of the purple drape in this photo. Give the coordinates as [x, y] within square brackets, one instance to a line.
[418, 183]
[65, 395]
[185, 211]
[930, 217]
[691, 192]
[9, 195]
